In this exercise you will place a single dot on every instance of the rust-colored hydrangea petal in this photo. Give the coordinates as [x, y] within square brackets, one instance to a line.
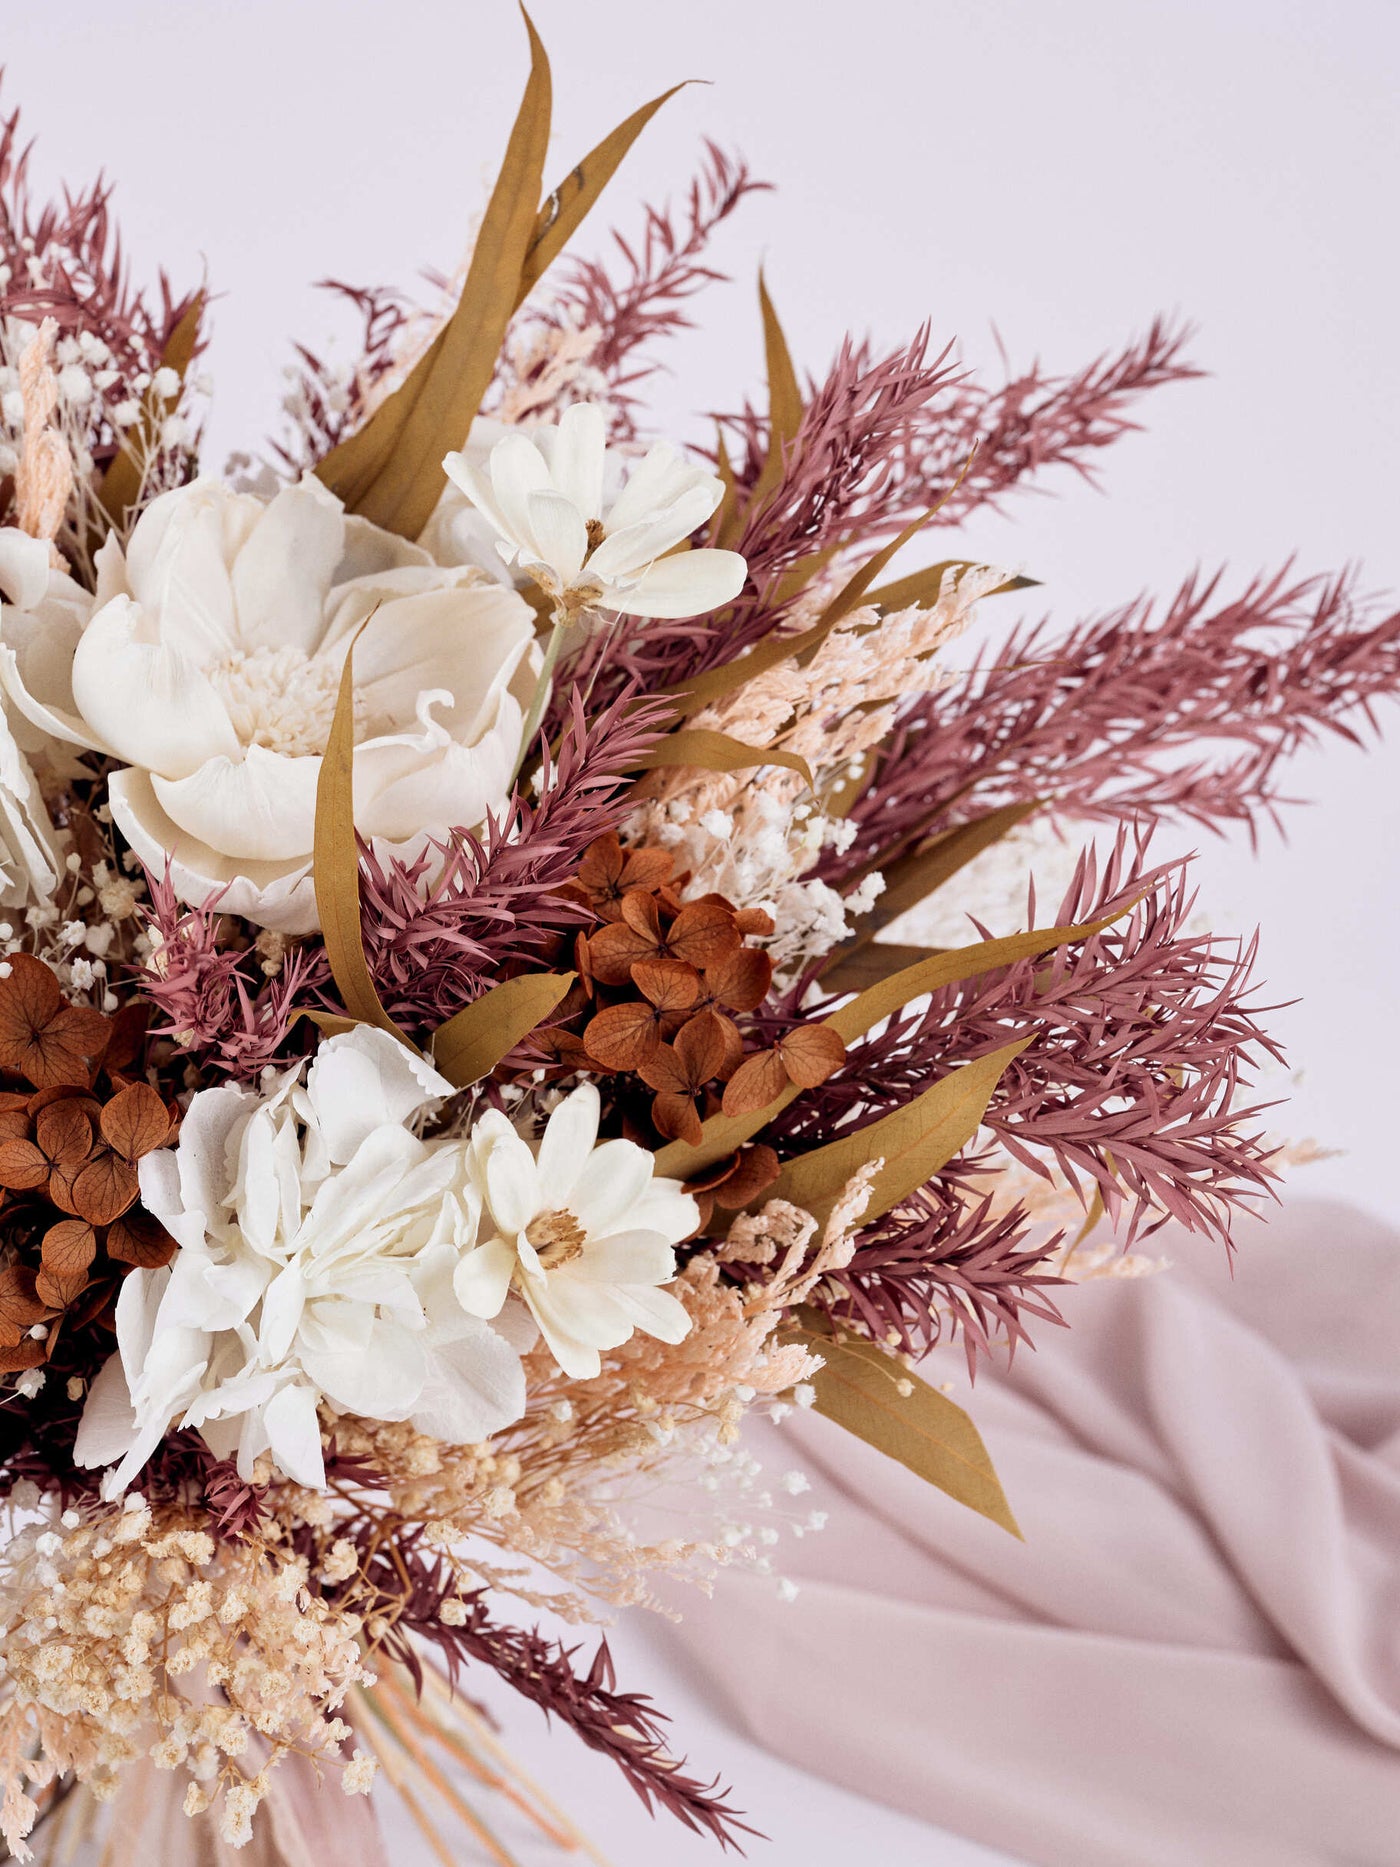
[623, 1037]
[811, 1053]
[755, 1170]
[759, 1080]
[703, 1047]
[603, 862]
[704, 934]
[753, 922]
[20, 1308]
[138, 1238]
[68, 1251]
[136, 1121]
[41, 1038]
[105, 1188]
[675, 1117]
[664, 1071]
[647, 868]
[670, 984]
[614, 950]
[64, 1132]
[640, 912]
[25, 1354]
[742, 981]
[22, 1165]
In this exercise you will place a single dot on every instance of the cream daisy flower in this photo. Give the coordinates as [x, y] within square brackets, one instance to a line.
[584, 1232]
[545, 491]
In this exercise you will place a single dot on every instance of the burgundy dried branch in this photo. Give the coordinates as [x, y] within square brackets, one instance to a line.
[442, 928]
[64, 260]
[215, 999]
[624, 1726]
[1103, 722]
[324, 404]
[944, 1263]
[660, 274]
[1031, 423]
[1137, 1083]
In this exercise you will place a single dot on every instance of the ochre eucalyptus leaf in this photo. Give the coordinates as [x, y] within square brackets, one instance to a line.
[390, 470]
[921, 587]
[872, 1395]
[336, 866]
[913, 1142]
[715, 751]
[564, 210]
[474, 1039]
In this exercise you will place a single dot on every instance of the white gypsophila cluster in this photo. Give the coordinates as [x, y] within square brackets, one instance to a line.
[763, 863]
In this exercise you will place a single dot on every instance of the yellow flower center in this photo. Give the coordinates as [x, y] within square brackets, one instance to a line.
[558, 1238]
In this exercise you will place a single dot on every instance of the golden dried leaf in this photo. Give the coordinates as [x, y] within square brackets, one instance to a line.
[564, 210]
[390, 471]
[336, 866]
[913, 1143]
[474, 1039]
[701, 748]
[871, 962]
[784, 400]
[921, 587]
[877, 1398]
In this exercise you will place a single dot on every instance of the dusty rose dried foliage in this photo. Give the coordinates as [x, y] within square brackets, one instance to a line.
[215, 999]
[655, 277]
[944, 1263]
[435, 941]
[1184, 712]
[624, 1726]
[1137, 1083]
[87, 283]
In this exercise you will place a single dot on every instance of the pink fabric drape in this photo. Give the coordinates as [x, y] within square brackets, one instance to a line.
[1194, 1658]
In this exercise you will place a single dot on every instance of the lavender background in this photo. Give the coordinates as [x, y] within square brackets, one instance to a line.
[1065, 171]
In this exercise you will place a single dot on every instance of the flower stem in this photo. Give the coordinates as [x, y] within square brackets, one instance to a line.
[544, 687]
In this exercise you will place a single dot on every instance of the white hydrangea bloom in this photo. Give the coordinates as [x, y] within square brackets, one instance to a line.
[318, 1240]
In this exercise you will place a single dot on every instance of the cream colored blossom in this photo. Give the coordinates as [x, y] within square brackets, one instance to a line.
[318, 1238]
[544, 492]
[210, 667]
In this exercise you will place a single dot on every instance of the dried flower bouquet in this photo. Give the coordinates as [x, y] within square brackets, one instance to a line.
[499, 985]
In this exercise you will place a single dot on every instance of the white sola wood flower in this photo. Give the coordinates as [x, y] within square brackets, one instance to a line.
[318, 1239]
[210, 668]
[585, 1233]
[545, 491]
